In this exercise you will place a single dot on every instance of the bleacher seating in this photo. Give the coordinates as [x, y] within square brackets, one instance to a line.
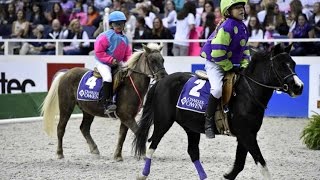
[5, 30]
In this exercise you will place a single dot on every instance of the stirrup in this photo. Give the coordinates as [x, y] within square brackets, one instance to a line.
[111, 108]
[209, 133]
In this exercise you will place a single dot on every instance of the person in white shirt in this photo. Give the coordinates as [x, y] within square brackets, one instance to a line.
[75, 32]
[185, 23]
[170, 15]
[255, 32]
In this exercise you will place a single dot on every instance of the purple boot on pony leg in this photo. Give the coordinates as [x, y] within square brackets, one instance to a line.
[106, 97]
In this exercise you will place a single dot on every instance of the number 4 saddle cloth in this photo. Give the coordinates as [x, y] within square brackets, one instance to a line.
[89, 87]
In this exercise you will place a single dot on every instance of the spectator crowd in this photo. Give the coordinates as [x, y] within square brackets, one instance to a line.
[178, 20]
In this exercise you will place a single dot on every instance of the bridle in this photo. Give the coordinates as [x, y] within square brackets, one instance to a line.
[147, 65]
[283, 86]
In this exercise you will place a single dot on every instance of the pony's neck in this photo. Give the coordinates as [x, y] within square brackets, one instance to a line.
[260, 73]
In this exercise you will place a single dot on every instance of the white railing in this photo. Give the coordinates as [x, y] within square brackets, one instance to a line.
[9, 44]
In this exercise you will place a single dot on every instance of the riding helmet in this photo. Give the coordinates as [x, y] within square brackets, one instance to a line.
[226, 4]
[117, 16]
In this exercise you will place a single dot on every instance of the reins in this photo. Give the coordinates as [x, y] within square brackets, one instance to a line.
[152, 75]
[284, 87]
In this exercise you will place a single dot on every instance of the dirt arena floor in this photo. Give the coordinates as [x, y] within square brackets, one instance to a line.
[26, 152]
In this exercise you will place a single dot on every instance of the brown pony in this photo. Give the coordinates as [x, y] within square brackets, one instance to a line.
[62, 98]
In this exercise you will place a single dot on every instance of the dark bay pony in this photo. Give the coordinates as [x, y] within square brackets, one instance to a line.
[62, 98]
[267, 71]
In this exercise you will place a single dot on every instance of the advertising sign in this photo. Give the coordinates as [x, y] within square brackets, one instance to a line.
[53, 68]
[19, 77]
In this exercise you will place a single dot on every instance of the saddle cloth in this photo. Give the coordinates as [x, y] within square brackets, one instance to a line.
[194, 95]
[89, 87]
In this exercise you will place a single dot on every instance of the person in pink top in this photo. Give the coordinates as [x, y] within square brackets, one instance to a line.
[111, 48]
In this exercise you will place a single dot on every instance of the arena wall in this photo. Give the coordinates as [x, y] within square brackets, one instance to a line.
[25, 79]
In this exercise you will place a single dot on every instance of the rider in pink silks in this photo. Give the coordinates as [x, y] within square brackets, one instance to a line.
[111, 48]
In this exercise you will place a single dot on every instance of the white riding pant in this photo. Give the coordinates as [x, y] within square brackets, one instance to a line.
[105, 71]
[215, 75]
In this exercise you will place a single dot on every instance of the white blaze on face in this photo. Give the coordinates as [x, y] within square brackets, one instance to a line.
[297, 81]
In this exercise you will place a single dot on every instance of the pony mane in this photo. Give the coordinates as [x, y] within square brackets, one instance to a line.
[131, 63]
[258, 57]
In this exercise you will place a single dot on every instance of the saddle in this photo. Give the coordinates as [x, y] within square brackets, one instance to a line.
[118, 75]
[221, 115]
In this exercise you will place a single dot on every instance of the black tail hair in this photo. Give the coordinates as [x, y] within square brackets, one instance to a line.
[145, 122]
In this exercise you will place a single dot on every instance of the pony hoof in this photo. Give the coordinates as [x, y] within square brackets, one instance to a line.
[118, 159]
[141, 177]
[96, 151]
[227, 176]
[60, 156]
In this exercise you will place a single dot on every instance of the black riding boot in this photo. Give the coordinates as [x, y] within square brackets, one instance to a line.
[209, 124]
[106, 97]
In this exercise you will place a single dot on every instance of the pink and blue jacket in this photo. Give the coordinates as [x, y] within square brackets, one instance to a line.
[110, 45]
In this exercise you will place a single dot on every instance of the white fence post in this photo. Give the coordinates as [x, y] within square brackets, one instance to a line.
[106, 19]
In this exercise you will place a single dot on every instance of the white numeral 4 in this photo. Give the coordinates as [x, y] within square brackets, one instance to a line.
[91, 82]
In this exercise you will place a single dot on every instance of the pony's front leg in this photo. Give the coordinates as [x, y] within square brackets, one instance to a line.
[122, 136]
[147, 165]
[239, 163]
[194, 153]
[249, 140]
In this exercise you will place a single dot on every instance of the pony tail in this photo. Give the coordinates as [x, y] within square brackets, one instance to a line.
[218, 25]
[50, 107]
[141, 136]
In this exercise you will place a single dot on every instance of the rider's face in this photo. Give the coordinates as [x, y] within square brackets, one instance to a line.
[118, 26]
[238, 12]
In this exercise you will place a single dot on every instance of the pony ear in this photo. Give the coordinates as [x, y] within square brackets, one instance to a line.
[288, 48]
[160, 48]
[146, 48]
[253, 51]
[276, 50]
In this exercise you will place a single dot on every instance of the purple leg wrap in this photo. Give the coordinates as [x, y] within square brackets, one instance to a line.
[201, 173]
[147, 165]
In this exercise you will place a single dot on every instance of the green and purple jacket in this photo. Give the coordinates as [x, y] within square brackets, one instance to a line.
[229, 45]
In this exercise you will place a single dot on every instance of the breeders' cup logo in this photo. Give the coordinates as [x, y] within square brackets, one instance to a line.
[192, 103]
[89, 94]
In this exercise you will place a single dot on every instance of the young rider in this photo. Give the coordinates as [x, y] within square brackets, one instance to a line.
[111, 48]
[226, 47]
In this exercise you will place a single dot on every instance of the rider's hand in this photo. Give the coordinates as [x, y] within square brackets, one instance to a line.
[114, 62]
[237, 69]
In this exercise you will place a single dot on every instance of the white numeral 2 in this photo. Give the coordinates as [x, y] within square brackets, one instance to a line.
[194, 91]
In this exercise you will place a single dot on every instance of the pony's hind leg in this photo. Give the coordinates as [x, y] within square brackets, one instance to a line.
[239, 163]
[122, 136]
[193, 151]
[65, 114]
[85, 130]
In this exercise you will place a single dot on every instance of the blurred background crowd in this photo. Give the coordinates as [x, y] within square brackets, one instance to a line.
[154, 19]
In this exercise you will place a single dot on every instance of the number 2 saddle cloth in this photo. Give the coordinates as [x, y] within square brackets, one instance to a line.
[195, 95]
